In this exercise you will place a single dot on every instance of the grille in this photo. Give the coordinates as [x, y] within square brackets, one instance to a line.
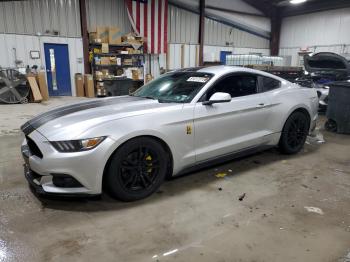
[33, 148]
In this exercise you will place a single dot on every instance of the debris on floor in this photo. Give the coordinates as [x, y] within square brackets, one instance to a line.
[314, 210]
[241, 197]
[220, 188]
[220, 175]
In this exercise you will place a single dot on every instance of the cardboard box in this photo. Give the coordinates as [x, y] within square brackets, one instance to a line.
[127, 61]
[79, 85]
[114, 35]
[135, 74]
[41, 79]
[89, 86]
[105, 61]
[102, 33]
[92, 37]
[105, 48]
[35, 89]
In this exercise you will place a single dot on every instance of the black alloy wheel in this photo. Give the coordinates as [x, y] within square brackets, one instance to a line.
[294, 133]
[137, 169]
[331, 125]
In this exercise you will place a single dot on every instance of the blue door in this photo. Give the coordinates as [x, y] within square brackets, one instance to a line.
[223, 55]
[57, 69]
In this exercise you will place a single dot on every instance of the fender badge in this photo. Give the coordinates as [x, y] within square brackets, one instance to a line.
[188, 129]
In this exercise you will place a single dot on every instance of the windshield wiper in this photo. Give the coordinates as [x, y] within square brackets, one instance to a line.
[163, 100]
[147, 97]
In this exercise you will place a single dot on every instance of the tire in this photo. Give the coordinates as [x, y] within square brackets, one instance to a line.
[294, 133]
[331, 125]
[137, 169]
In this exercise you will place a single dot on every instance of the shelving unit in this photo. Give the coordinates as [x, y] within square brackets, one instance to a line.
[112, 84]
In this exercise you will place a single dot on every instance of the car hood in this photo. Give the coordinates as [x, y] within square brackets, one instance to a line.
[327, 63]
[70, 121]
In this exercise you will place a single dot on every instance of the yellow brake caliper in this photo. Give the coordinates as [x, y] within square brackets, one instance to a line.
[149, 158]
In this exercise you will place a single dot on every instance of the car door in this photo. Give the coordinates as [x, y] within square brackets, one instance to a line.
[223, 128]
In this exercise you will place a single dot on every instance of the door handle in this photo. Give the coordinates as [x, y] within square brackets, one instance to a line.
[261, 105]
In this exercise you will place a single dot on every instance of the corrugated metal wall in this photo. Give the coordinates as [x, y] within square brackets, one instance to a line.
[40, 16]
[223, 35]
[319, 32]
[183, 28]
[23, 44]
[107, 13]
[189, 52]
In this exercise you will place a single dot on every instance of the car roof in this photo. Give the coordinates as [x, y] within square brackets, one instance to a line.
[221, 70]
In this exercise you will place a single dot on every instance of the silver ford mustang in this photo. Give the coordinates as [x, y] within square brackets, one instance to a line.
[179, 122]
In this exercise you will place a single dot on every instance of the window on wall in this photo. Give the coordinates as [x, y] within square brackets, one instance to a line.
[235, 85]
[268, 84]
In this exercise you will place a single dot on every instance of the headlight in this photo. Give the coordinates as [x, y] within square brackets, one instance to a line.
[77, 145]
[326, 87]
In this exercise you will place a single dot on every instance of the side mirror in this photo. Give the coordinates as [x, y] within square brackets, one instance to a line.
[218, 97]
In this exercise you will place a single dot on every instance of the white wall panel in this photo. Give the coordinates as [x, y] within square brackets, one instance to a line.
[211, 54]
[38, 16]
[183, 25]
[319, 32]
[183, 28]
[107, 13]
[323, 28]
[25, 43]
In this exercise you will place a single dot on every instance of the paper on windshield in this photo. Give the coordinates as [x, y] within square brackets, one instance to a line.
[198, 79]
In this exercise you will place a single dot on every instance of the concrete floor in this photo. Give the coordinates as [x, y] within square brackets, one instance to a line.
[193, 218]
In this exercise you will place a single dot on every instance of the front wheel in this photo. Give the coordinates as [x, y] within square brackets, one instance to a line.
[137, 169]
[294, 133]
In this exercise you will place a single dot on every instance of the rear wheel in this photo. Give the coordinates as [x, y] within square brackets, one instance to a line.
[294, 133]
[137, 169]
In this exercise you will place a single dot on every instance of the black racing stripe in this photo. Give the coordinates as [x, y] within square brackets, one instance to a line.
[38, 121]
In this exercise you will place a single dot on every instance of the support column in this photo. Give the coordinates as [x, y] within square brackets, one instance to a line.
[276, 22]
[85, 36]
[201, 30]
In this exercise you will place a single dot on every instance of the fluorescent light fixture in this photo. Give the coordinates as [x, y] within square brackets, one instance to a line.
[295, 2]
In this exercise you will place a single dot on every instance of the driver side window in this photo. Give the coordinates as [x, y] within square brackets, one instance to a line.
[235, 85]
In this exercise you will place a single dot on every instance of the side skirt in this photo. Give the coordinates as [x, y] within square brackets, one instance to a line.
[223, 158]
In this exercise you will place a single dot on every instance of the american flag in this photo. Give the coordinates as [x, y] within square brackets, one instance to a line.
[149, 19]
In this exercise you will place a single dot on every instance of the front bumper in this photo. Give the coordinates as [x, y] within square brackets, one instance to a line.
[84, 167]
[34, 182]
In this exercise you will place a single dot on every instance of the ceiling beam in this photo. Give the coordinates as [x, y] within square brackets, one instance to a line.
[216, 8]
[313, 6]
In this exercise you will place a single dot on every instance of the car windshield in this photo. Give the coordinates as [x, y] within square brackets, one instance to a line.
[177, 87]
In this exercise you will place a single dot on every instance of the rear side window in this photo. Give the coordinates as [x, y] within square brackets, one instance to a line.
[268, 84]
